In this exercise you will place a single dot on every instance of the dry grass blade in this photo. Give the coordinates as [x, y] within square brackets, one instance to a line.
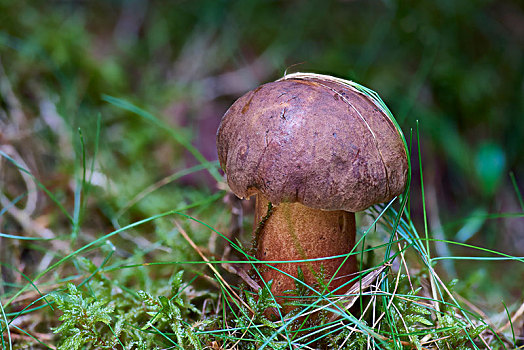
[352, 295]
[31, 295]
[28, 338]
[215, 271]
[242, 273]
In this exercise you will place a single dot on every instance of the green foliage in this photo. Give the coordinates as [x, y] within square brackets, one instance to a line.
[408, 321]
[81, 320]
[454, 334]
[301, 288]
[407, 318]
[263, 301]
[172, 313]
[90, 321]
[490, 163]
[348, 339]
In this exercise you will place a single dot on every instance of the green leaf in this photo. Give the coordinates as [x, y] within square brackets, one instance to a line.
[490, 165]
[176, 282]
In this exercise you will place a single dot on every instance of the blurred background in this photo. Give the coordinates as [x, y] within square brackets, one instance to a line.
[454, 67]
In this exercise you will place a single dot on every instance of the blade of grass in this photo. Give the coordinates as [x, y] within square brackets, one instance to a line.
[31, 282]
[177, 136]
[95, 155]
[40, 185]
[513, 319]
[426, 233]
[25, 238]
[33, 337]
[79, 194]
[6, 328]
[507, 256]
[173, 177]
[510, 323]
[109, 235]
[215, 271]
[517, 190]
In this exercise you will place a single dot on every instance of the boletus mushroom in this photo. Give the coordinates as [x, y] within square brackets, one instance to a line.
[314, 149]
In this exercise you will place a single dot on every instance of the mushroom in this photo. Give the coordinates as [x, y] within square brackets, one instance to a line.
[314, 149]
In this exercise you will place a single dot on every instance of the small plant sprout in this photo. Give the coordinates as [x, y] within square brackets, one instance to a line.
[314, 149]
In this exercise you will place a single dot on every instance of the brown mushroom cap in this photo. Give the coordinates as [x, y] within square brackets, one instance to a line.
[315, 140]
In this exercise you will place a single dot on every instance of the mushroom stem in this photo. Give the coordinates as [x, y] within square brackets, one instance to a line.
[292, 231]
